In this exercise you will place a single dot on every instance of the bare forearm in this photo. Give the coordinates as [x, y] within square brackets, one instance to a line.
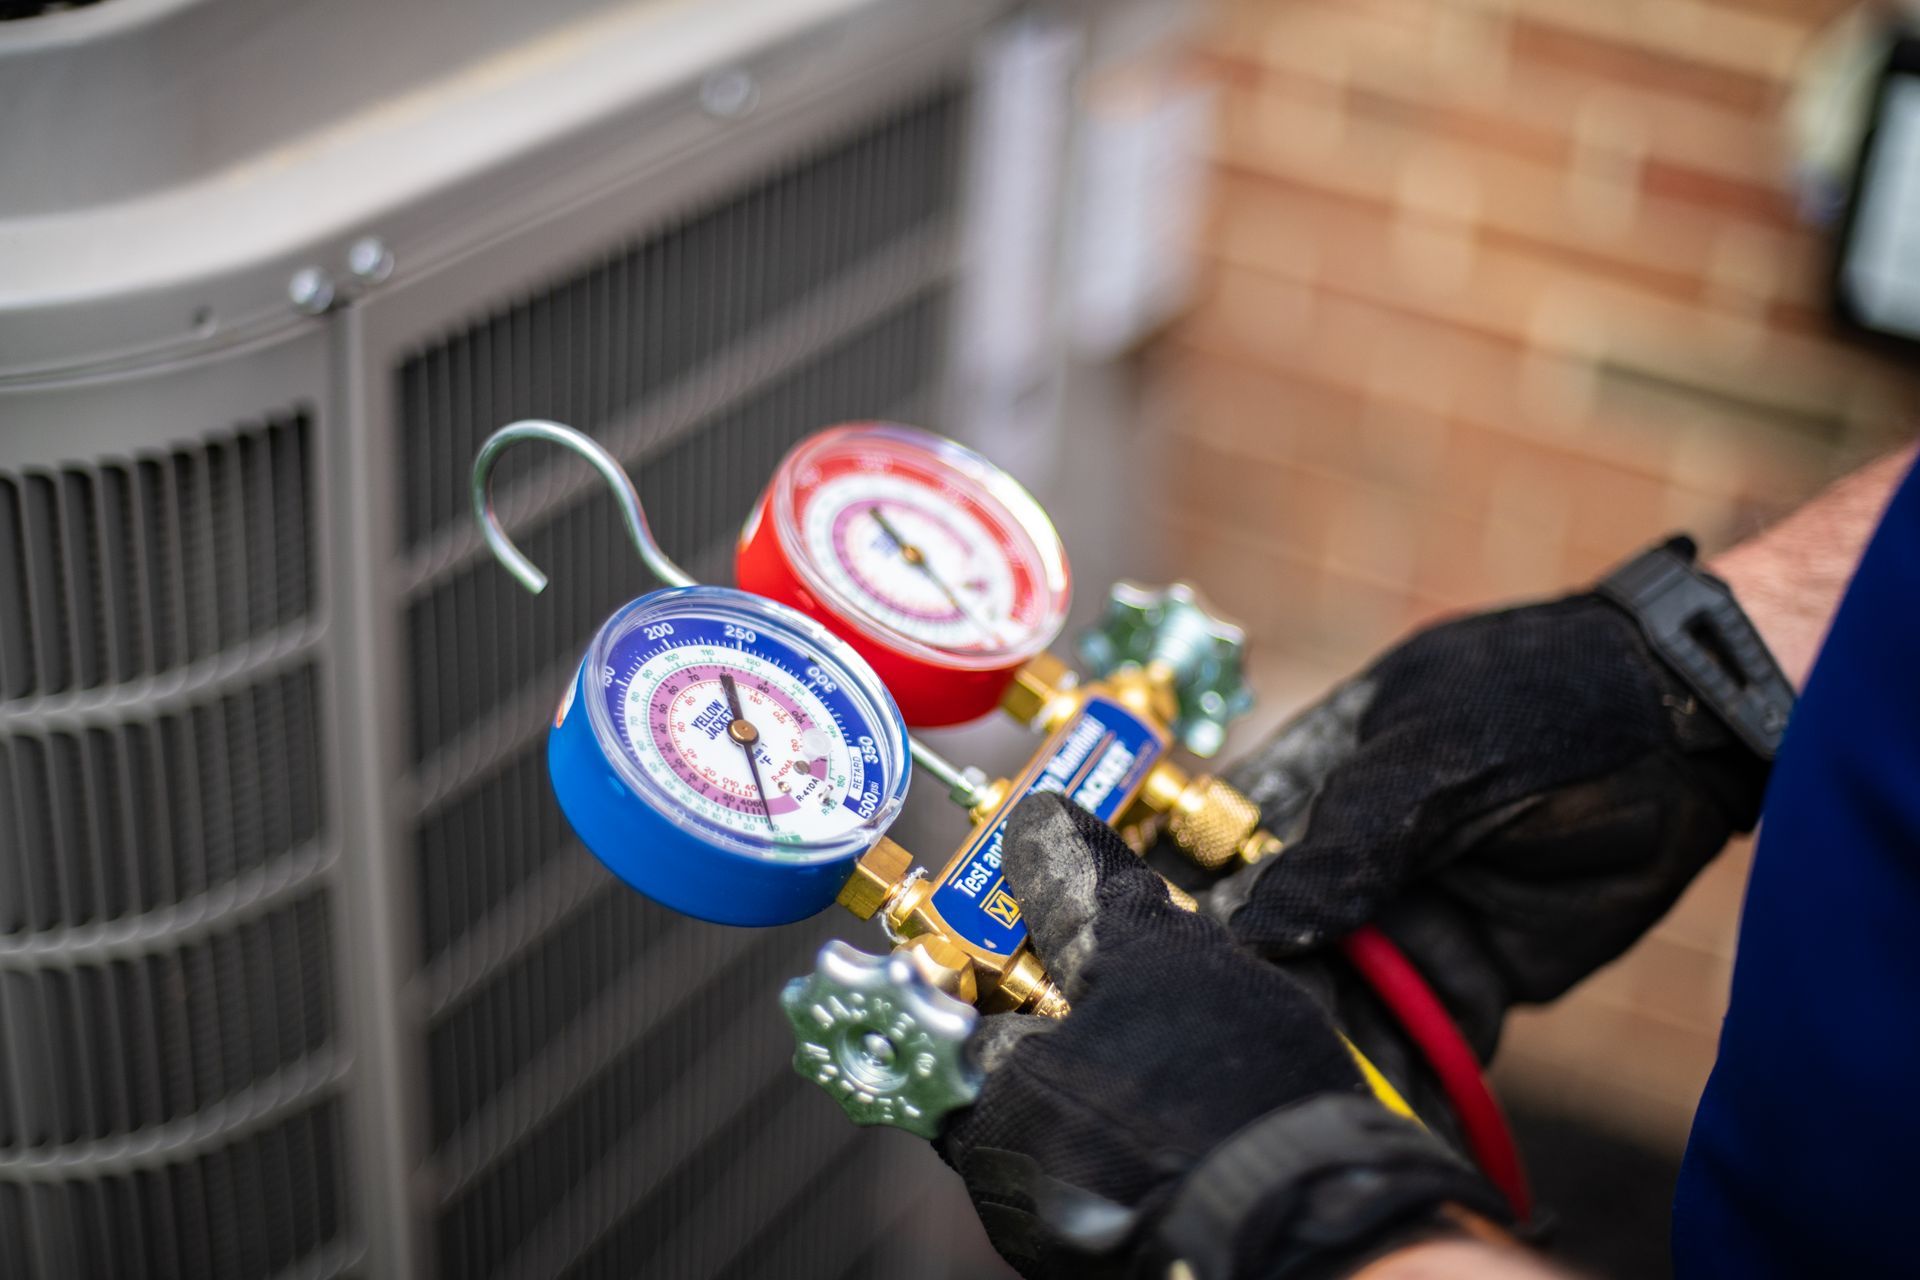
[1461, 1260]
[1789, 579]
[1480, 1251]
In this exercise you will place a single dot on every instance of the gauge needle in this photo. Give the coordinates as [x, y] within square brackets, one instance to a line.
[918, 559]
[743, 732]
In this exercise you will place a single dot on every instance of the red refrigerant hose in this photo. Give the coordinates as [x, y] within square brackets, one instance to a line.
[1420, 1014]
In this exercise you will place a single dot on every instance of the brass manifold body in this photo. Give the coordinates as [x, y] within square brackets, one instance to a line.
[1212, 824]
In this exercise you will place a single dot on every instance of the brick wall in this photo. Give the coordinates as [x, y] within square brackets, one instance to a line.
[1494, 292]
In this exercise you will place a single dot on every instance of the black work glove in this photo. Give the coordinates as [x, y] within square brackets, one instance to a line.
[1196, 1104]
[1515, 797]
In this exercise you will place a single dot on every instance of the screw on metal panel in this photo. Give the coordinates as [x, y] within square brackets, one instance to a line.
[369, 259]
[729, 94]
[310, 290]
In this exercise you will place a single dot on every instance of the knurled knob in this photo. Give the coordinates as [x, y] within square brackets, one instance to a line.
[888, 1045]
[1211, 822]
[1174, 629]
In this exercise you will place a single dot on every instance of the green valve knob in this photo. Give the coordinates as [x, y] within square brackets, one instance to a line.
[1173, 625]
[886, 1043]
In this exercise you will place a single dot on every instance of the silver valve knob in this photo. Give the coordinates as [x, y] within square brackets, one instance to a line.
[1175, 627]
[885, 1042]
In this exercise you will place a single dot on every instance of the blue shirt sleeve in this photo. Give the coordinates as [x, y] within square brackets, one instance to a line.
[1804, 1151]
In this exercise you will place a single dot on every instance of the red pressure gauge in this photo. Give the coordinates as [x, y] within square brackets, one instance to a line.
[934, 564]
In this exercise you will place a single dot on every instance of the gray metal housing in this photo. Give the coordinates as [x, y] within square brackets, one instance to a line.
[300, 971]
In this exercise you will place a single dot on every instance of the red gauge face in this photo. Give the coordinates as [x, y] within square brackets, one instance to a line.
[923, 545]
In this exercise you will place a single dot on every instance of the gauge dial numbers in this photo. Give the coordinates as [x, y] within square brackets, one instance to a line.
[924, 562]
[733, 758]
[934, 564]
[676, 725]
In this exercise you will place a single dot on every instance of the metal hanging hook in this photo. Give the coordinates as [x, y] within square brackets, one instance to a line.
[605, 463]
[962, 784]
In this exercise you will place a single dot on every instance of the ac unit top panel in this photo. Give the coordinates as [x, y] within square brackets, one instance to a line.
[130, 97]
[159, 225]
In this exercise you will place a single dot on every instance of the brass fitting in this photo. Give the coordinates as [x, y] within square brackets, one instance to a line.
[1049, 1002]
[1001, 983]
[876, 877]
[987, 798]
[1045, 692]
[883, 885]
[1025, 986]
[1146, 691]
[944, 965]
[1260, 845]
[1040, 680]
[1213, 824]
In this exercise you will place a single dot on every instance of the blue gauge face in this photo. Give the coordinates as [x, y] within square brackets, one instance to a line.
[744, 728]
[726, 755]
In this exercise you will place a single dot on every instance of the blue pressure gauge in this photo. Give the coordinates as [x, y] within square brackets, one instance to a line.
[726, 755]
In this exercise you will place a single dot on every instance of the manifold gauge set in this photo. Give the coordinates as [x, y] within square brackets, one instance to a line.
[738, 753]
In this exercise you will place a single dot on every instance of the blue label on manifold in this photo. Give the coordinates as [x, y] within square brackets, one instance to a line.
[1098, 761]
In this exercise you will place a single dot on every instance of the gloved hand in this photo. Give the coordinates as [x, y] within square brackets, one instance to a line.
[1515, 797]
[1196, 1104]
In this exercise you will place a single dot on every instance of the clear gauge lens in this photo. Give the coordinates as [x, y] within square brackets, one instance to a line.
[925, 542]
[749, 722]
[934, 571]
